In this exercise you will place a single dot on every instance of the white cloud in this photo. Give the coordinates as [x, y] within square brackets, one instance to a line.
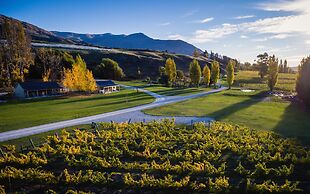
[201, 36]
[206, 20]
[190, 13]
[260, 47]
[176, 37]
[165, 24]
[244, 17]
[244, 37]
[307, 42]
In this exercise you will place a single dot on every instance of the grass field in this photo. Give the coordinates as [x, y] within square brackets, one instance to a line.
[254, 109]
[20, 114]
[251, 80]
[162, 90]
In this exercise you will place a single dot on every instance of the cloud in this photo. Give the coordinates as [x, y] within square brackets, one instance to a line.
[286, 5]
[165, 24]
[244, 17]
[206, 20]
[190, 13]
[307, 42]
[244, 37]
[201, 36]
[176, 37]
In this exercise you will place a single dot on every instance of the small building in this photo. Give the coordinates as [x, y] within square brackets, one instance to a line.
[107, 86]
[38, 89]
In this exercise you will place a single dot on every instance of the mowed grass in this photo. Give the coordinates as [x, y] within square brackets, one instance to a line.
[163, 90]
[255, 109]
[27, 113]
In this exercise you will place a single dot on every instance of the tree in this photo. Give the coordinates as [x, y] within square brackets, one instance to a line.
[303, 81]
[272, 72]
[180, 74]
[109, 69]
[262, 64]
[215, 72]
[196, 53]
[230, 69]
[171, 70]
[49, 64]
[281, 70]
[17, 56]
[206, 75]
[195, 72]
[79, 78]
[285, 67]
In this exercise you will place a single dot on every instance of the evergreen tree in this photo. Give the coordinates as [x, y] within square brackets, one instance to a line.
[171, 70]
[206, 75]
[215, 72]
[303, 81]
[262, 65]
[195, 72]
[272, 72]
[230, 69]
[281, 70]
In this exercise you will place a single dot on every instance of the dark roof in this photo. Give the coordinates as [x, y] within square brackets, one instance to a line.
[105, 83]
[40, 85]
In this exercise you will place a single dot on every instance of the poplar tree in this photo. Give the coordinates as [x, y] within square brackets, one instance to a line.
[230, 70]
[215, 72]
[272, 72]
[79, 78]
[171, 70]
[195, 72]
[206, 75]
[17, 56]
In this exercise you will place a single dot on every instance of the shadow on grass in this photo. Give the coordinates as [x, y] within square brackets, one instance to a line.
[104, 97]
[225, 112]
[295, 123]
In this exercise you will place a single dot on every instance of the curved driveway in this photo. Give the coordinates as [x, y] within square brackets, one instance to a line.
[119, 115]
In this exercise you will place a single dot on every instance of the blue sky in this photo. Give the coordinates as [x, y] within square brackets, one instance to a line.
[237, 28]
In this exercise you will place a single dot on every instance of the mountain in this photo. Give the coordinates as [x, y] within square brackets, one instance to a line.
[131, 41]
[38, 34]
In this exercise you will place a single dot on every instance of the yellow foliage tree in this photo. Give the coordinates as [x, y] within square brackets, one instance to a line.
[79, 78]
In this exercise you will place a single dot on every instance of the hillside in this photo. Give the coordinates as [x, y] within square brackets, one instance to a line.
[38, 34]
[132, 41]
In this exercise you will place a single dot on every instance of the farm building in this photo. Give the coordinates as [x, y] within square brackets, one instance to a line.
[107, 86]
[38, 89]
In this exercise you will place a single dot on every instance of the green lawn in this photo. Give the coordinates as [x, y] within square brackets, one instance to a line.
[250, 109]
[251, 80]
[162, 90]
[27, 113]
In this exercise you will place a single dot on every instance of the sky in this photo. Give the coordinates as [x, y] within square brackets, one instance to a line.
[241, 29]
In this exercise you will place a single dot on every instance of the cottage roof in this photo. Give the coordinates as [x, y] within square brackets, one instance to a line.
[105, 83]
[40, 85]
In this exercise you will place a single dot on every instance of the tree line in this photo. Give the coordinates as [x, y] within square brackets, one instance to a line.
[170, 76]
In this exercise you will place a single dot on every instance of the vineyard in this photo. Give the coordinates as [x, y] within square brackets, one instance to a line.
[158, 156]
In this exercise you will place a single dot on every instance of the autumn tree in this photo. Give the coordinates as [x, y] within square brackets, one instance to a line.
[16, 53]
[303, 81]
[79, 78]
[230, 70]
[195, 72]
[272, 72]
[49, 63]
[262, 65]
[215, 72]
[109, 69]
[206, 75]
[171, 70]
